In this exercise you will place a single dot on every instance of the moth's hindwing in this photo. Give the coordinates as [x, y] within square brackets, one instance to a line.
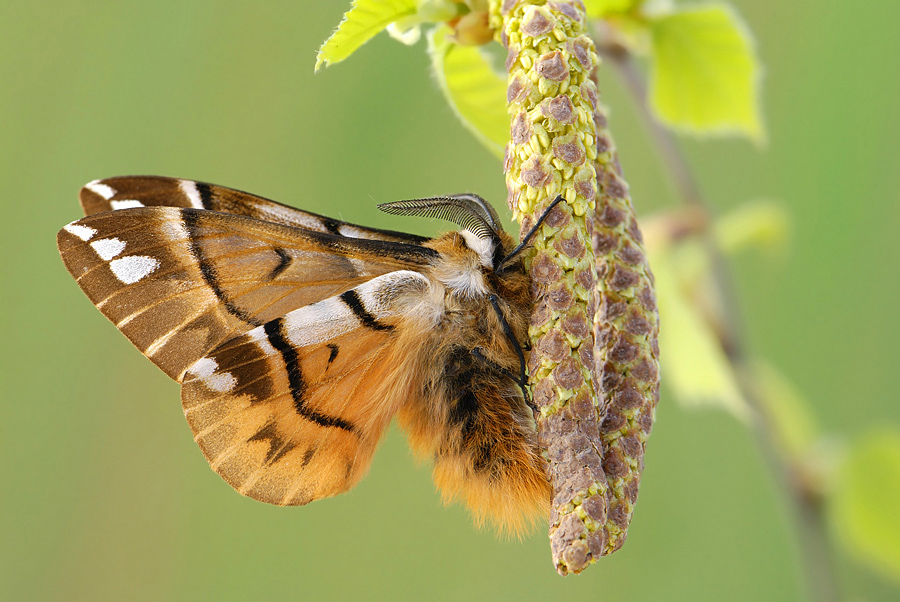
[292, 411]
[178, 282]
[125, 192]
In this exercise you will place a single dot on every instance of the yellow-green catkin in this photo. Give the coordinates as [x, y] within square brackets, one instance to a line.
[581, 277]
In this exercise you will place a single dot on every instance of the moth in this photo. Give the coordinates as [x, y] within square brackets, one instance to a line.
[297, 338]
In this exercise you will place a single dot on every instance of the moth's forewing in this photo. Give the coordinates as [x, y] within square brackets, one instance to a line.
[292, 411]
[179, 282]
[124, 192]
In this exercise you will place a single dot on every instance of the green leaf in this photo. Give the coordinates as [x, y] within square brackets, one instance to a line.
[705, 74]
[693, 363]
[475, 91]
[762, 224]
[364, 19]
[865, 504]
[599, 8]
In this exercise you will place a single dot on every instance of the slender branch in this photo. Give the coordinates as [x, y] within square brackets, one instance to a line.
[809, 522]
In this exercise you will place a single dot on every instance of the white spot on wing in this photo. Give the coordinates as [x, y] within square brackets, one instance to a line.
[205, 370]
[304, 220]
[104, 190]
[125, 204]
[82, 232]
[131, 269]
[322, 321]
[107, 248]
[351, 232]
[174, 230]
[379, 295]
[258, 336]
[319, 322]
[189, 188]
[203, 367]
[220, 382]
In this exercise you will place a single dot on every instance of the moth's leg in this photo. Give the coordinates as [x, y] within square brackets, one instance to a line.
[518, 380]
[507, 330]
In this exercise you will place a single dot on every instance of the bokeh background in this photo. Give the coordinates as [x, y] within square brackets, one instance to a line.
[104, 494]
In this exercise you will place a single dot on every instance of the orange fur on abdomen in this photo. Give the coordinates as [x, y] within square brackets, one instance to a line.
[475, 426]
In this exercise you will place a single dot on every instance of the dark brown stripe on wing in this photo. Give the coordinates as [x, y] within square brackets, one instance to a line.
[278, 447]
[275, 333]
[344, 245]
[206, 195]
[283, 263]
[308, 456]
[351, 299]
[332, 225]
[189, 218]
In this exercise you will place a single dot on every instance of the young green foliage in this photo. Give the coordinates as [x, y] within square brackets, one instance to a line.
[601, 8]
[472, 88]
[704, 70]
[761, 223]
[705, 75]
[866, 499]
[362, 22]
[696, 368]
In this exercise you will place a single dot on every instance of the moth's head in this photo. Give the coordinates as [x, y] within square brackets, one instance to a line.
[480, 226]
[481, 229]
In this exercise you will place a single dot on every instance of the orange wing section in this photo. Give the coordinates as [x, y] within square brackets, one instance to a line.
[292, 411]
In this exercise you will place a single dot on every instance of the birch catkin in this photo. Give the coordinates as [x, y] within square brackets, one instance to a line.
[626, 330]
[594, 321]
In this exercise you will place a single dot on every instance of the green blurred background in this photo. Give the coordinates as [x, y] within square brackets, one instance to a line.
[105, 496]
